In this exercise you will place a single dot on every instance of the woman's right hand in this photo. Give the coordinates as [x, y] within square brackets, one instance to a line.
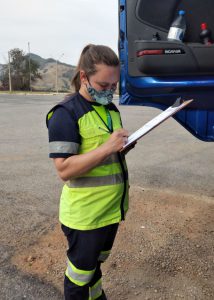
[117, 140]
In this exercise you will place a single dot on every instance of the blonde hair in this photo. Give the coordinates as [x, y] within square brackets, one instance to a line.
[91, 56]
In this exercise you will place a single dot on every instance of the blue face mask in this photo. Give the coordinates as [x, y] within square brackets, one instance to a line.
[101, 97]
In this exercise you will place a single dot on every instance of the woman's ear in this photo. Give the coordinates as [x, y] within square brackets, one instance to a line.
[83, 77]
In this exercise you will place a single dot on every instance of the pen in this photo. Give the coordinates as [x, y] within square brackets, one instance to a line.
[104, 129]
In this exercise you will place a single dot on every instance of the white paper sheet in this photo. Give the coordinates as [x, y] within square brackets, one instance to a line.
[178, 105]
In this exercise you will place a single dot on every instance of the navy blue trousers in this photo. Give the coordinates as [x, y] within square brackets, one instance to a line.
[85, 252]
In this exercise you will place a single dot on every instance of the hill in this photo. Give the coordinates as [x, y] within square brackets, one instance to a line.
[56, 76]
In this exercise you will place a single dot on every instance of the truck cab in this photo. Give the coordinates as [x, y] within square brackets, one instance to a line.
[156, 71]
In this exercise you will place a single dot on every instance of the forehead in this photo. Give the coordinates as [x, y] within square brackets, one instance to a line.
[106, 73]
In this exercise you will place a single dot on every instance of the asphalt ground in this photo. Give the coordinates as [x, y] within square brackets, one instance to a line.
[168, 158]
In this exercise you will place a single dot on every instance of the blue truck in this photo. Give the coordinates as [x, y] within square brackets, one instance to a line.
[156, 71]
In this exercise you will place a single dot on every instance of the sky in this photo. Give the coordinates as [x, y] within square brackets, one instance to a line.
[57, 28]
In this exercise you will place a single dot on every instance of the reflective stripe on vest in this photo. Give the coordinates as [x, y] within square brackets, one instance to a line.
[63, 147]
[113, 158]
[77, 276]
[96, 181]
[104, 255]
[96, 290]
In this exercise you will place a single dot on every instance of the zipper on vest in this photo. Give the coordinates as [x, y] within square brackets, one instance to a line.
[124, 187]
[110, 128]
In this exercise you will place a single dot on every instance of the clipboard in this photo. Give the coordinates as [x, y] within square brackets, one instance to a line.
[170, 111]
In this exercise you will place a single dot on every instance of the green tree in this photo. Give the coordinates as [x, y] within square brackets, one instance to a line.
[20, 71]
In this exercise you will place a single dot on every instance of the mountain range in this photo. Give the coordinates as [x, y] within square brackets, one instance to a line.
[56, 75]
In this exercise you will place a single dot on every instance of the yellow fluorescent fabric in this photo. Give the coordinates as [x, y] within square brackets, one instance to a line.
[98, 207]
[104, 255]
[101, 111]
[79, 277]
[94, 200]
[96, 290]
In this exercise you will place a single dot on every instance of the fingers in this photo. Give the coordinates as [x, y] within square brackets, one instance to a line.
[122, 136]
[118, 139]
[122, 132]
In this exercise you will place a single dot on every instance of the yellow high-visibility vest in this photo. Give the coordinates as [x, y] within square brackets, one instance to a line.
[99, 197]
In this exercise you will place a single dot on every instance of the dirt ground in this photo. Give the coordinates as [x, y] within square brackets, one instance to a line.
[164, 250]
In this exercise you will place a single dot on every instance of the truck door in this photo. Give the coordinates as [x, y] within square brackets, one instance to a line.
[156, 71]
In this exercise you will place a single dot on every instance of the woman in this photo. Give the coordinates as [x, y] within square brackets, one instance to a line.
[86, 136]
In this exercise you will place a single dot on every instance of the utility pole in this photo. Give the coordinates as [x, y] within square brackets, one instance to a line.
[57, 88]
[9, 69]
[57, 77]
[29, 67]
